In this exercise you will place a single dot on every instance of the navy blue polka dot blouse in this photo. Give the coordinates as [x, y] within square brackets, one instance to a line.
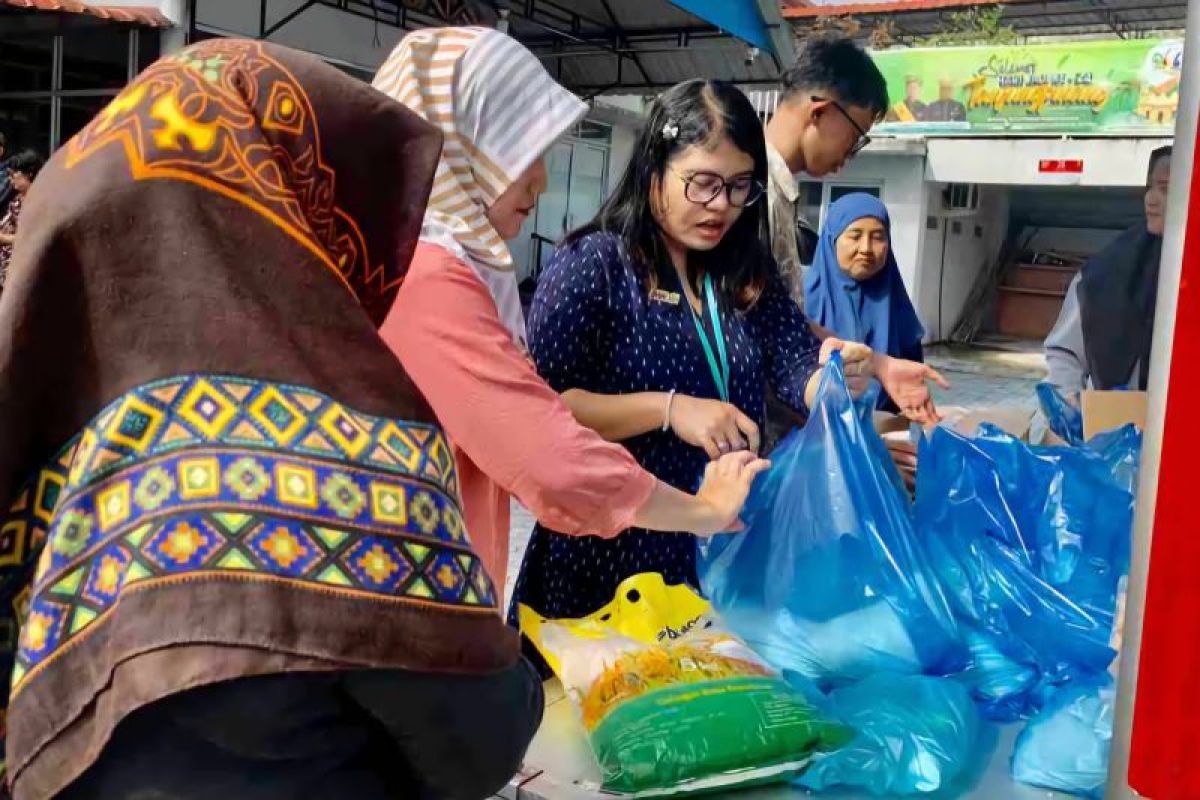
[594, 327]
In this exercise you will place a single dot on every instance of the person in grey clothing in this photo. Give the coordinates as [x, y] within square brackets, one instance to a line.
[1104, 331]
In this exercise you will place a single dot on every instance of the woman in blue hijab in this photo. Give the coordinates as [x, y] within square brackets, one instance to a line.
[854, 287]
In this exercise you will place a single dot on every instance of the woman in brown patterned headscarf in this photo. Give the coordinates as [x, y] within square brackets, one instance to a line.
[234, 546]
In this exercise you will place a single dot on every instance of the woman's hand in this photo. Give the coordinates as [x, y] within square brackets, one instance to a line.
[858, 363]
[715, 427]
[906, 382]
[725, 488]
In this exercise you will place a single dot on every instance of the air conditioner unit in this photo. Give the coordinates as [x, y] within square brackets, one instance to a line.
[960, 199]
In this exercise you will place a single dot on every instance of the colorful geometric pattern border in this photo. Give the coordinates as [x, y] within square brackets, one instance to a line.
[207, 475]
[185, 412]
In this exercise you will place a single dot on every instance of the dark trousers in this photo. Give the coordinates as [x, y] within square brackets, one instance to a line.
[366, 735]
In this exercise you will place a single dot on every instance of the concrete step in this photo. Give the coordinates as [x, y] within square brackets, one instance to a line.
[1053, 279]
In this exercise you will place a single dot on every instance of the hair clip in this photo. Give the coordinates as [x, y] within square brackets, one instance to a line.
[670, 130]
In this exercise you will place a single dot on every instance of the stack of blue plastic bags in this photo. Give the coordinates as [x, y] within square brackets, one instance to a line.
[993, 598]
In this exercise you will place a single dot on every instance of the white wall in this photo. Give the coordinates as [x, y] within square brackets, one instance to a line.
[623, 140]
[625, 130]
[1014, 162]
[972, 243]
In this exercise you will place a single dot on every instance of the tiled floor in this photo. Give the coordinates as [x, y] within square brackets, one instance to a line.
[986, 377]
[1004, 375]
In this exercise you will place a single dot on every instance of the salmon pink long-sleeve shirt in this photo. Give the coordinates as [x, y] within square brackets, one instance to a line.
[512, 434]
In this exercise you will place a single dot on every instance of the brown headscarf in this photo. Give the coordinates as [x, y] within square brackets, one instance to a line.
[218, 467]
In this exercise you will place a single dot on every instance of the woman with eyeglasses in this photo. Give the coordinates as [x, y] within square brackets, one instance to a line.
[661, 323]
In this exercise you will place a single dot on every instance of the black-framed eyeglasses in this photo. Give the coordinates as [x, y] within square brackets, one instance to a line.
[703, 187]
[863, 138]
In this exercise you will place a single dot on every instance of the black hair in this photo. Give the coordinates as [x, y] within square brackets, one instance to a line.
[3, 142]
[839, 67]
[696, 112]
[26, 162]
[1158, 155]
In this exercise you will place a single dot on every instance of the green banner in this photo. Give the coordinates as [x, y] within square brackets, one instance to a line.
[1103, 87]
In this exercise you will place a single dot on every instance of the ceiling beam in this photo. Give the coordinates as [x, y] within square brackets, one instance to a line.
[634, 35]
[637, 61]
[264, 32]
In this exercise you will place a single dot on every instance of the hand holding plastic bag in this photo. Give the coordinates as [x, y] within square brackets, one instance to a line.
[828, 579]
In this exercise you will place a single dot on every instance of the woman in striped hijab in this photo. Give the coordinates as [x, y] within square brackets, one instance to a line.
[457, 324]
[500, 112]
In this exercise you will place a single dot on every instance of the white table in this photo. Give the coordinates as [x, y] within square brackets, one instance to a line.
[560, 766]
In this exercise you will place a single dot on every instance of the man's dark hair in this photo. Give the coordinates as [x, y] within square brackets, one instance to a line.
[1158, 155]
[837, 66]
[26, 162]
[3, 144]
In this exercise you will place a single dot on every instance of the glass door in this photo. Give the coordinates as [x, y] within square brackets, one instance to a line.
[553, 206]
[576, 182]
[589, 165]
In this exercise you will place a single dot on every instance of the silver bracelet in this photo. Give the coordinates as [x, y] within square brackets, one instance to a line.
[666, 426]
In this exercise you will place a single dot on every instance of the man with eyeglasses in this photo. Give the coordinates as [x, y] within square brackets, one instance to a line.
[831, 97]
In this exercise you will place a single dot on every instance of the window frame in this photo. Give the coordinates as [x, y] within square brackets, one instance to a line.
[55, 94]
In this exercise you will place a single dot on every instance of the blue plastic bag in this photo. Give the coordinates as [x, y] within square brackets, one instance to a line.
[913, 734]
[1079, 503]
[1030, 544]
[1121, 450]
[1066, 746]
[1000, 685]
[1065, 419]
[829, 581]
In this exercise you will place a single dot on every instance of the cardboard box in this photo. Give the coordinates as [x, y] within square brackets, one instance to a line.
[1013, 420]
[1106, 411]
[886, 423]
